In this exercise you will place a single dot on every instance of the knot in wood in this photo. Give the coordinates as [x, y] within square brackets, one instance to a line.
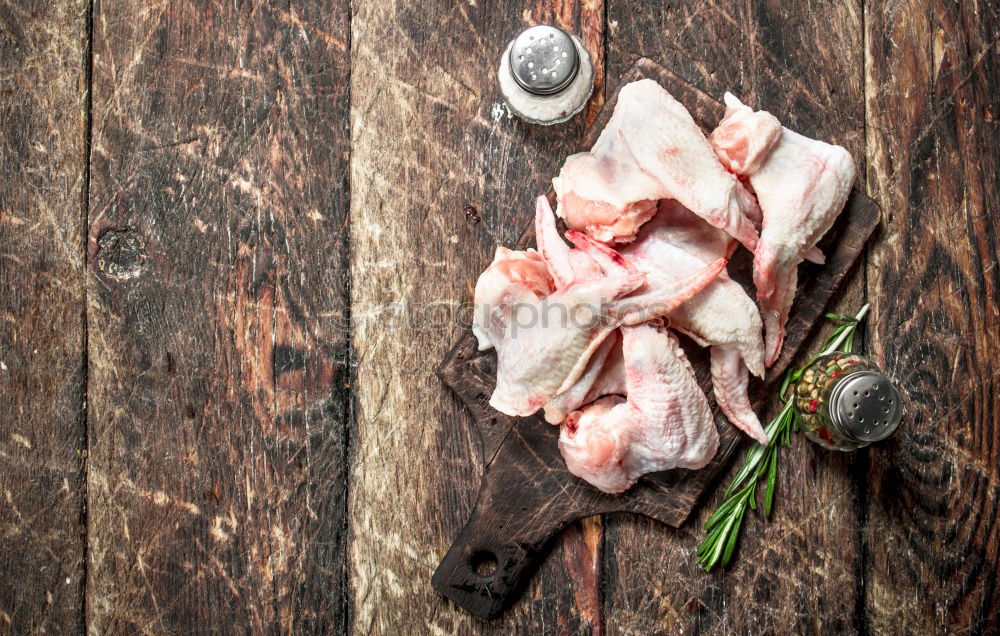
[121, 253]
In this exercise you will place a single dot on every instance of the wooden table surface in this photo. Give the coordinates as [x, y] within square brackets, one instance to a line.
[236, 239]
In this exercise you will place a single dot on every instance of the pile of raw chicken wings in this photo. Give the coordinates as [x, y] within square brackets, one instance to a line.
[654, 212]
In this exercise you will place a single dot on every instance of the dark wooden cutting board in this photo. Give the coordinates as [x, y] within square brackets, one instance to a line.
[527, 495]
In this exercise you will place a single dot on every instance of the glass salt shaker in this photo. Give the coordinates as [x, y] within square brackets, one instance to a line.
[845, 402]
[546, 75]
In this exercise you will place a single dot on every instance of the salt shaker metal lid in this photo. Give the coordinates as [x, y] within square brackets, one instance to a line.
[866, 407]
[546, 75]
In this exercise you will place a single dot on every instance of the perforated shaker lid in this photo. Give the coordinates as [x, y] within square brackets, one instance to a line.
[865, 406]
[544, 60]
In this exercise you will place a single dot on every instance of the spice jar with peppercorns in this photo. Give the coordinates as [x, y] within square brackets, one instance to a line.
[843, 402]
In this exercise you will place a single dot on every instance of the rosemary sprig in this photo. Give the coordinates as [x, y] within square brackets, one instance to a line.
[723, 527]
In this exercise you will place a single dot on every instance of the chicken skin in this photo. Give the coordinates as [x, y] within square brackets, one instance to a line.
[665, 265]
[651, 149]
[721, 316]
[665, 422]
[605, 375]
[801, 185]
[544, 343]
[513, 277]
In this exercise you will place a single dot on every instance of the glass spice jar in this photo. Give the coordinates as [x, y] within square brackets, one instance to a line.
[845, 402]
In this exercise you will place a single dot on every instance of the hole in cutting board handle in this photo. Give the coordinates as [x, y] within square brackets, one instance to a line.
[484, 563]
[484, 573]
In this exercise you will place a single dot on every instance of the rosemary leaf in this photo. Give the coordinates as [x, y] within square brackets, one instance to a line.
[709, 545]
[733, 536]
[730, 536]
[772, 478]
[839, 330]
[720, 513]
[710, 540]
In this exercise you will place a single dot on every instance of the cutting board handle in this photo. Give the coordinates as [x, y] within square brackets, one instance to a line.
[489, 563]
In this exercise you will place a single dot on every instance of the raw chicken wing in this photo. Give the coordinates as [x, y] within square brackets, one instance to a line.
[651, 149]
[721, 315]
[547, 342]
[664, 423]
[674, 244]
[565, 265]
[801, 185]
[605, 375]
[514, 276]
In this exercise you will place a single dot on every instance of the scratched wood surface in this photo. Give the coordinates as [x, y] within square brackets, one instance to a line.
[235, 240]
[217, 292]
[931, 534]
[43, 123]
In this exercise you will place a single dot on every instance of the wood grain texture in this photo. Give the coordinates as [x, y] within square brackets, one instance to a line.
[441, 174]
[796, 571]
[43, 107]
[218, 315]
[214, 260]
[933, 537]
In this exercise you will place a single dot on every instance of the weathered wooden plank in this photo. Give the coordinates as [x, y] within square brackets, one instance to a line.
[218, 316]
[43, 134]
[440, 175]
[798, 570]
[932, 535]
